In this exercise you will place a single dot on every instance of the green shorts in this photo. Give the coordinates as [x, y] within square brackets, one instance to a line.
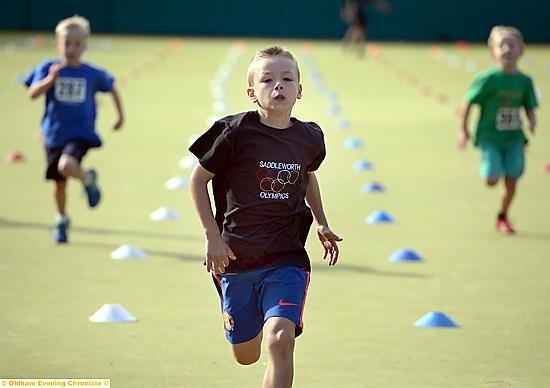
[499, 160]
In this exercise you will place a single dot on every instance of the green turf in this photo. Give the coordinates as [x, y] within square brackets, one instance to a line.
[360, 315]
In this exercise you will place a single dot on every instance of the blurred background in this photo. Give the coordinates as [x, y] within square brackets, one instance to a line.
[422, 20]
[392, 110]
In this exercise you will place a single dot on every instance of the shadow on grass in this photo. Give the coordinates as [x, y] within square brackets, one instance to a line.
[150, 252]
[199, 259]
[367, 270]
[533, 234]
[5, 223]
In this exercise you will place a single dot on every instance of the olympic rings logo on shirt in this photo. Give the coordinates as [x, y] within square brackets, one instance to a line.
[269, 182]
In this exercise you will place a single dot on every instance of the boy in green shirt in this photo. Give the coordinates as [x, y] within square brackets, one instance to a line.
[501, 92]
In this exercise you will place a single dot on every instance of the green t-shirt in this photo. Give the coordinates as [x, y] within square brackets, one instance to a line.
[500, 97]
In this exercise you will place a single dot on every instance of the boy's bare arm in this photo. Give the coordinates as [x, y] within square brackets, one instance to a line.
[42, 86]
[464, 134]
[327, 237]
[217, 251]
[313, 198]
[118, 107]
[532, 118]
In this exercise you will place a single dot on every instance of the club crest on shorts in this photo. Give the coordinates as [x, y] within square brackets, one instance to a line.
[228, 321]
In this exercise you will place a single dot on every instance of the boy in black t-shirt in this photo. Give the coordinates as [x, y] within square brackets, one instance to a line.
[262, 165]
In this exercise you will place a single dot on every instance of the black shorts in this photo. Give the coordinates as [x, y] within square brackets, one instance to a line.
[75, 148]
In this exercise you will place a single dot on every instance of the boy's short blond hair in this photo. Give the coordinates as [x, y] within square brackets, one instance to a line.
[499, 31]
[75, 21]
[271, 51]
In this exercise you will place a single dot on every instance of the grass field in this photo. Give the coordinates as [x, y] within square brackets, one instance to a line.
[401, 101]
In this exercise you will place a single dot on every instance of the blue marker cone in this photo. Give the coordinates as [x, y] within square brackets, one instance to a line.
[363, 165]
[435, 319]
[372, 187]
[353, 143]
[332, 96]
[379, 217]
[405, 255]
[334, 109]
[343, 124]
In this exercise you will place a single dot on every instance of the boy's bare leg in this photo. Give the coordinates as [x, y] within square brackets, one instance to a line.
[347, 39]
[507, 194]
[70, 167]
[59, 191]
[280, 334]
[492, 180]
[248, 352]
[62, 223]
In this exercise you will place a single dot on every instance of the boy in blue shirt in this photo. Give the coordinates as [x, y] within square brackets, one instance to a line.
[68, 124]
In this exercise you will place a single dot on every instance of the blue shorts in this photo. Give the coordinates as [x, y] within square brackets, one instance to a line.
[248, 299]
[506, 160]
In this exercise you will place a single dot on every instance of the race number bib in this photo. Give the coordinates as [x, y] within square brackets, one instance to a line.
[508, 119]
[70, 89]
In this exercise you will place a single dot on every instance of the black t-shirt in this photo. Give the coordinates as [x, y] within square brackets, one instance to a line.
[259, 187]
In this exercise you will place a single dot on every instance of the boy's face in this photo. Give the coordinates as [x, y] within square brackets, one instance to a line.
[506, 51]
[275, 85]
[71, 45]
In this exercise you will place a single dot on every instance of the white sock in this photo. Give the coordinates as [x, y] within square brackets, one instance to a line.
[64, 218]
[87, 178]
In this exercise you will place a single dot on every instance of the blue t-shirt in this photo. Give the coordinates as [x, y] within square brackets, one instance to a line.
[70, 104]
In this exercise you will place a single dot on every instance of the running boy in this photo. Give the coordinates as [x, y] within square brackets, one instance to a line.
[68, 125]
[353, 14]
[501, 92]
[262, 165]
